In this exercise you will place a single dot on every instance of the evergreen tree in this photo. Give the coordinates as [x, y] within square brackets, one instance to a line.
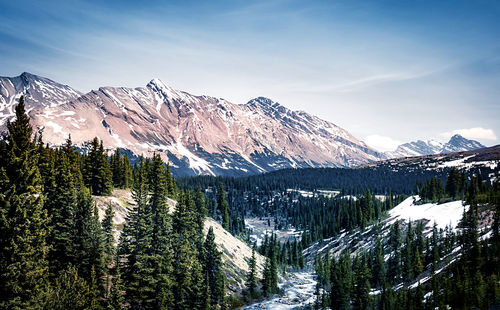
[116, 299]
[379, 271]
[88, 240]
[127, 172]
[251, 281]
[185, 260]
[23, 220]
[223, 206]
[69, 291]
[108, 237]
[97, 173]
[61, 203]
[136, 245]
[161, 234]
[361, 296]
[341, 282]
[213, 270]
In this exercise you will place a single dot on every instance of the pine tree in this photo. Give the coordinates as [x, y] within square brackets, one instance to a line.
[223, 206]
[161, 234]
[251, 281]
[108, 237]
[88, 240]
[117, 169]
[185, 260]
[116, 299]
[213, 270]
[361, 296]
[61, 203]
[341, 282]
[379, 271]
[135, 248]
[69, 291]
[127, 172]
[97, 173]
[23, 219]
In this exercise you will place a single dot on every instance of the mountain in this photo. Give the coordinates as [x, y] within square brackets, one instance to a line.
[39, 92]
[457, 143]
[196, 134]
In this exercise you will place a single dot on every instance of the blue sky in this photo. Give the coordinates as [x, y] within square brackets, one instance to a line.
[387, 71]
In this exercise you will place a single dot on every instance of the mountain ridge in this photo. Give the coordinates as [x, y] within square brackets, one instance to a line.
[457, 143]
[196, 134]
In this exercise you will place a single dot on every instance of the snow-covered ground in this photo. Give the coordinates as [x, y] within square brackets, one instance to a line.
[298, 293]
[443, 215]
[357, 240]
[260, 229]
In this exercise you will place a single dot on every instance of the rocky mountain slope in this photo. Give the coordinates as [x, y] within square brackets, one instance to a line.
[235, 253]
[457, 143]
[39, 93]
[197, 134]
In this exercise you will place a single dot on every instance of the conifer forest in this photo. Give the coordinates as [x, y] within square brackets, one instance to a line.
[60, 250]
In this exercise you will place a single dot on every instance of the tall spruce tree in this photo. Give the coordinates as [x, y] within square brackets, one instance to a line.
[161, 234]
[108, 237]
[223, 206]
[185, 261]
[135, 247]
[61, 203]
[251, 281]
[97, 173]
[213, 270]
[23, 219]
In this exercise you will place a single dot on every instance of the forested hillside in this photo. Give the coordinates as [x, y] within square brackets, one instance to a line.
[55, 253]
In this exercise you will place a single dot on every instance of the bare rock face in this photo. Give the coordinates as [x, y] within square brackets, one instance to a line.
[196, 134]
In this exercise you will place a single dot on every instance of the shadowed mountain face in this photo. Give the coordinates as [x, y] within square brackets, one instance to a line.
[197, 134]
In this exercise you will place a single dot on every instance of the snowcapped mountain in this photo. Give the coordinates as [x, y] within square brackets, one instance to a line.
[196, 134]
[39, 92]
[457, 143]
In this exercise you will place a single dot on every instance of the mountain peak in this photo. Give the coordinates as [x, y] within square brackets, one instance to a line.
[458, 143]
[157, 83]
[27, 74]
[262, 101]
[458, 138]
[266, 104]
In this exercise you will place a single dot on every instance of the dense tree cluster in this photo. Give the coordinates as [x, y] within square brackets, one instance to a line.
[55, 253]
[396, 263]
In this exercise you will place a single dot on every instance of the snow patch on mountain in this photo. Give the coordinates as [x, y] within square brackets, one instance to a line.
[446, 214]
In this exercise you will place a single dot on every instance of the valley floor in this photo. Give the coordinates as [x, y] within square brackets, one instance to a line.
[298, 293]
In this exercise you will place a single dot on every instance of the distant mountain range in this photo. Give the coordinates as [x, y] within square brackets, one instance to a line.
[457, 143]
[196, 134]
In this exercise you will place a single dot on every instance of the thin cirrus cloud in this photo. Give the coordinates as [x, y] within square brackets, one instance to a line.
[369, 67]
[472, 133]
